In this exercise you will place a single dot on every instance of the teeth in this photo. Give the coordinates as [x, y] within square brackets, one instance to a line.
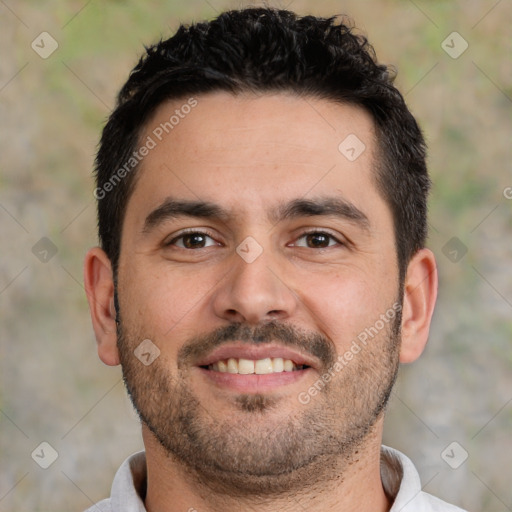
[263, 366]
[245, 366]
[288, 365]
[258, 367]
[277, 364]
[232, 365]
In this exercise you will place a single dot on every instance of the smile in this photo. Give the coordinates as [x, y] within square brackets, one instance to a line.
[259, 367]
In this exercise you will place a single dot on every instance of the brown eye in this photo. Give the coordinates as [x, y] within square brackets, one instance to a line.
[317, 240]
[192, 240]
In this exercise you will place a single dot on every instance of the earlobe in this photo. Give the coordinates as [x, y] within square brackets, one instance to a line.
[420, 293]
[99, 287]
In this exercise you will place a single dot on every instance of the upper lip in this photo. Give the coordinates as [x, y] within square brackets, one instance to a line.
[256, 352]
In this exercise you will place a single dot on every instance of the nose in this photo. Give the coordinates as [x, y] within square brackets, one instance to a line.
[254, 292]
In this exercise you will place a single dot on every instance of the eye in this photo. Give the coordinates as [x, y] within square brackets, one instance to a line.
[192, 240]
[317, 240]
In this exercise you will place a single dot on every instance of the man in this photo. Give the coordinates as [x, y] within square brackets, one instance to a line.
[262, 196]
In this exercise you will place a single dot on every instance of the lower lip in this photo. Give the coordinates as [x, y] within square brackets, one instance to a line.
[253, 383]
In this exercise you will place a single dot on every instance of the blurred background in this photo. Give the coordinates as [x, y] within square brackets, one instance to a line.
[62, 63]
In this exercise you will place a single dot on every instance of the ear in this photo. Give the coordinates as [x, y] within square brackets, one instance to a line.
[420, 293]
[99, 287]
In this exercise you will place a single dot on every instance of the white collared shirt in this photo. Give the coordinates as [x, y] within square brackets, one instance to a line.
[399, 478]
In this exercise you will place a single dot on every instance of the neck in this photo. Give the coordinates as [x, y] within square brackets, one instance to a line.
[348, 485]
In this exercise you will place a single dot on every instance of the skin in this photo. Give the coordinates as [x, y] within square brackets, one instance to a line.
[247, 154]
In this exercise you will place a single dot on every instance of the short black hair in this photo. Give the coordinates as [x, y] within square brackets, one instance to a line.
[268, 50]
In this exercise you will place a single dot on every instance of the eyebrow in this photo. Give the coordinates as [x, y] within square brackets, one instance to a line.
[171, 209]
[322, 206]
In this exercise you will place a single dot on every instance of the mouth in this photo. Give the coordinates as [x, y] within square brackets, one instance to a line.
[264, 366]
[255, 369]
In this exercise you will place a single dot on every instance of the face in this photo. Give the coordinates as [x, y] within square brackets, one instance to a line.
[256, 257]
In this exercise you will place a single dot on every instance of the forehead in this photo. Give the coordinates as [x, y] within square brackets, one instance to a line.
[249, 151]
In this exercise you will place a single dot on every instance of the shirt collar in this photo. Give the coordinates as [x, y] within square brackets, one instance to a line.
[129, 486]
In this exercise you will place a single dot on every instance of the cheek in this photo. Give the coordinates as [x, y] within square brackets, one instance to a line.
[344, 304]
[162, 302]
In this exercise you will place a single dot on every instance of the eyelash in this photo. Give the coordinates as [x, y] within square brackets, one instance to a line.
[319, 232]
[210, 235]
[188, 232]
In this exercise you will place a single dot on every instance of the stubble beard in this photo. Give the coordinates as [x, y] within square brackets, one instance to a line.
[258, 449]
